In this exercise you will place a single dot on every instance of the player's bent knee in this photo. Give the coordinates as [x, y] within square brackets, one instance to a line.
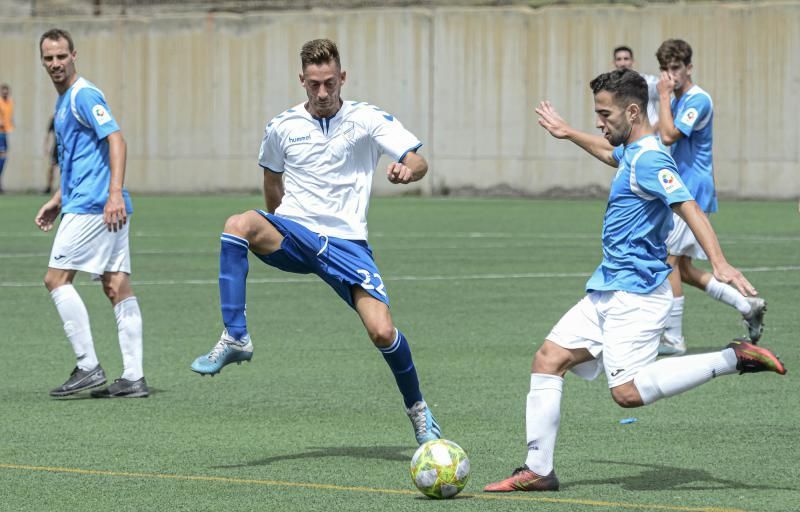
[552, 359]
[382, 335]
[627, 396]
[238, 225]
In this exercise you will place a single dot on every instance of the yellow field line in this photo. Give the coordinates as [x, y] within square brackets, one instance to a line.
[331, 487]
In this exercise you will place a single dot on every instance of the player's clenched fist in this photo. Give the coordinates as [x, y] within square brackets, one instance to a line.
[399, 173]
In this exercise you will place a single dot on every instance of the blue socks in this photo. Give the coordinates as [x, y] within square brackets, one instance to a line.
[233, 269]
[398, 357]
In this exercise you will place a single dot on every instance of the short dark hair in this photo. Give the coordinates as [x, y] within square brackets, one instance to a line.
[674, 49]
[54, 34]
[319, 51]
[622, 48]
[625, 85]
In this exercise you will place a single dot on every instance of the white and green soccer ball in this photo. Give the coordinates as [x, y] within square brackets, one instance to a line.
[440, 469]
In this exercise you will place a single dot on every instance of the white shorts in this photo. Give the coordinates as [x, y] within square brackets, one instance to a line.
[83, 242]
[681, 241]
[620, 329]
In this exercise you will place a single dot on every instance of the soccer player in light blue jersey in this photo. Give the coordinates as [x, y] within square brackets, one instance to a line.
[92, 236]
[686, 126]
[616, 326]
[318, 159]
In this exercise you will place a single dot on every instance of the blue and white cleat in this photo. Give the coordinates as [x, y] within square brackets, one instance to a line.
[425, 426]
[226, 351]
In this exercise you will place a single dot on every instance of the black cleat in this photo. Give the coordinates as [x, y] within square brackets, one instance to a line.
[123, 388]
[80, 380]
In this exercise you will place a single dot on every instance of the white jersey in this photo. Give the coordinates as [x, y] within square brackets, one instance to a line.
[327, 164]
[652, 97]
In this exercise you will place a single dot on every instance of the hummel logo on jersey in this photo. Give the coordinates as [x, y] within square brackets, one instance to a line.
[617, 372]
[295, 140]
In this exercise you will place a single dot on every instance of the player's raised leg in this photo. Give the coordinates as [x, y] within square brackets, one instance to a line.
[242, 232]
[395, 349]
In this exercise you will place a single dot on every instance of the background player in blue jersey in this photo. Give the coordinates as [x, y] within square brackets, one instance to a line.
[318, 159]
[617, 325]
[93, 233]
[686, 126]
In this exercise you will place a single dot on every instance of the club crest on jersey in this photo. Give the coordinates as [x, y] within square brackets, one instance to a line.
[689, 117]
[669, 181]
[349, 131]
[100, 114]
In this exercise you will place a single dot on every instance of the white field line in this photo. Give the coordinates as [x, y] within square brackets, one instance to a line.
[314, 279]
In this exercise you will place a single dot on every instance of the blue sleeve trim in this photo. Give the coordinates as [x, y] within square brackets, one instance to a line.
[409, 150]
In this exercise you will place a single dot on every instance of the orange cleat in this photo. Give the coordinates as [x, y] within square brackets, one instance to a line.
[523, 479]
[752, 359]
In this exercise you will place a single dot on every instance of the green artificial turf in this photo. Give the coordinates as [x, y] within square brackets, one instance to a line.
[315, 422]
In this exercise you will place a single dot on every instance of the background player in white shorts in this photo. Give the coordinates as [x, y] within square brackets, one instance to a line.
[686, 126]
[623, 59]
[617, 325]
[318, 159]
[93, 234]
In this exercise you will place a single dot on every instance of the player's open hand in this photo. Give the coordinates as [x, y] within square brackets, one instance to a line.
[727, 274]
[551, 120]
[47, 214]
[114, 214]
[665, 85]
[399, 173]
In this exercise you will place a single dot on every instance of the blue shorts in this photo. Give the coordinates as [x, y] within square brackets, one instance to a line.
[340, 263]
[3, 142]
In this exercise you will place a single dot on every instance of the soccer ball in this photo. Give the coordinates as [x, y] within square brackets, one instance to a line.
[440, 469]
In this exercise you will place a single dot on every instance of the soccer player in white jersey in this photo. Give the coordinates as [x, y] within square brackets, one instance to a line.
[93, 233]
[318, 159]
[616, 326]
[686, 126]
[623, 59]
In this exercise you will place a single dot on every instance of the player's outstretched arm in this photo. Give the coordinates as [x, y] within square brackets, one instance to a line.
[47, 214]
[595, 145]
[412, 168]
[667, 131]
[701, 227]
[273, 189]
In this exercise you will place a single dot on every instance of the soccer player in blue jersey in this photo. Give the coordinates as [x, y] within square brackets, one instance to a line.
[93, 233]
[617, 325]
[686, 126]
[318, 159]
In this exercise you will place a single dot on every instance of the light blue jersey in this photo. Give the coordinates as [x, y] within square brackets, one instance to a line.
[638, 218]
[82, 123]
[694, 114]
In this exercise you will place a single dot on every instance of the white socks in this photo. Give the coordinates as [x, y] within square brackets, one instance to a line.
[76, 324]
[129, 325]
[673, 375]
[673, 330]
[729, 295]
[542, 417]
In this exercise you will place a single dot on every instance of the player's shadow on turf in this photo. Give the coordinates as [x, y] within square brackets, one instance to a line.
[390, 453]
[663, 478]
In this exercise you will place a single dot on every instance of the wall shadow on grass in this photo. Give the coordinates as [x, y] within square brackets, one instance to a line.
[390, 453]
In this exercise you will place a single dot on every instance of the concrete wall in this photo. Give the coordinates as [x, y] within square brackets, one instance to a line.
[193, 92]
